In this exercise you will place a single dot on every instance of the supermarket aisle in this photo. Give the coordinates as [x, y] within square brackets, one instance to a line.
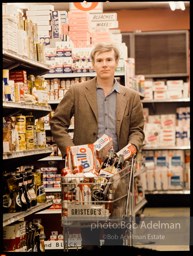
[176, 238]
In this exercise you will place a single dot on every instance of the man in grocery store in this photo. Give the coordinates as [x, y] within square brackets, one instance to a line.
[100, 106]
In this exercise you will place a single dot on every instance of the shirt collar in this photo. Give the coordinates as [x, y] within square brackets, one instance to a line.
[116, 86]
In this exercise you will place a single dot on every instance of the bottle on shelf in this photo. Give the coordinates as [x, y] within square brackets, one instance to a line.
[40, 133]
[21, 129]
[39, 236]
[24, 197]
[13, 188]
[40, 189]
[6, 194]
[7, 138]
[30, 187]
[31, 83]
[19, 205]
[40, 91]
[30, 230]
[30, 131]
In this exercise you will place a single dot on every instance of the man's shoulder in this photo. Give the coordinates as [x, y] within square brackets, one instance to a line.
[128, 90]
[83, 85]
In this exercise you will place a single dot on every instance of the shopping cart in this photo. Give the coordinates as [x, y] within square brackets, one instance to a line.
[87, 200]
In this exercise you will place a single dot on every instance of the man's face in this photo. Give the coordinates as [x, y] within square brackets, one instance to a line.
[105, 64]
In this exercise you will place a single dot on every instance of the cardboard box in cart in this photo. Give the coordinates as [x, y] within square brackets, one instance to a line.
[102, 146]
[82, 155]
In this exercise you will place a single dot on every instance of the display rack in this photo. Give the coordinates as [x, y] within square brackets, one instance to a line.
[167, 197]
[18, 158]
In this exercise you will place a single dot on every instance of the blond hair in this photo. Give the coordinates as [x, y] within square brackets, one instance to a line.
[104, 47]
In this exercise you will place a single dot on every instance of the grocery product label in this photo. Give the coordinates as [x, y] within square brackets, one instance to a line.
[85, 210]
[102, 146]
[126, 152]
[83, 155]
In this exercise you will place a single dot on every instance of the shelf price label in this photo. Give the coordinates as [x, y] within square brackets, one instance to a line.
[51, 245]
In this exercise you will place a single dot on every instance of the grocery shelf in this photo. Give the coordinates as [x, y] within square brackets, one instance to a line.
[166, 75]
[26, 153]
[50, 211]
[53, 189]
[14, 107]
[54, 101]
[166, 147]
[23, 105]
[166, 100]
[73, 75]
[51, 158]
[171, 192]
[71, 127]
[13, 60]
[9, 218]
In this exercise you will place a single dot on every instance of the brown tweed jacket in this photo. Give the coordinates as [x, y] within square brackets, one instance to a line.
[81, 101]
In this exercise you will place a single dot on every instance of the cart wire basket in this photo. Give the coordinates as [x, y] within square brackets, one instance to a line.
[88, 198]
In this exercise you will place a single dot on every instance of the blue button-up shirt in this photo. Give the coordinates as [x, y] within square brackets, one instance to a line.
[107, 113]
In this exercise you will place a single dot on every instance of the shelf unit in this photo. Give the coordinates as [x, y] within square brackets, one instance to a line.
[167, 197]
[169, 62]
[19, 158]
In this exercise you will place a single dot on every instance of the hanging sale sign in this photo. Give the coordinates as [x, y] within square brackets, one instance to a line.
[95, 7]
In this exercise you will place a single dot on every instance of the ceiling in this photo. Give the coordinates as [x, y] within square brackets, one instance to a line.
[107, 6]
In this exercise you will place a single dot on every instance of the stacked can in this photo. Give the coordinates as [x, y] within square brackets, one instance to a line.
[21, 126]
[30, 132]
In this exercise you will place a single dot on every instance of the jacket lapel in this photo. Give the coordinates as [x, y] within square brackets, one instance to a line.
[121, 105]
[90, 94]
